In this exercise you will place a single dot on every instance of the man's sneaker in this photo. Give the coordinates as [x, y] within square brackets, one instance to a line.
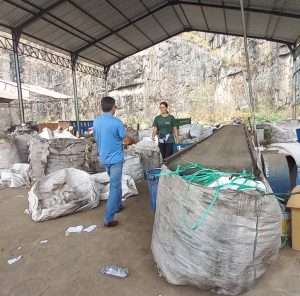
[120, 209]
[111, 224]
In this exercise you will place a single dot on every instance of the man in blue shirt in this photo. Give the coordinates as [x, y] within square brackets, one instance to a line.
[109, 133]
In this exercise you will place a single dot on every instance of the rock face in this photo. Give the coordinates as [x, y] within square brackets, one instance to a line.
[200, 75]
[203, 76]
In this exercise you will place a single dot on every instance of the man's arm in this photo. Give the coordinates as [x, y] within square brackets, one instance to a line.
[122, 130]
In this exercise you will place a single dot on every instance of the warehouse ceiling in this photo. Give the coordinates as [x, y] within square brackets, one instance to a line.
[106, 31]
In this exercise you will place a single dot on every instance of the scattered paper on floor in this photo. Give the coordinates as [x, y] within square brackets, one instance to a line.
[14, 260]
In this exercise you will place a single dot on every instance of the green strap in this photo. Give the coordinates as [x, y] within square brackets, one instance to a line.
[204, 177]
[204, 215]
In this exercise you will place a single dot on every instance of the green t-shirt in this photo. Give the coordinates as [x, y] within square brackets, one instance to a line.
[165, 126]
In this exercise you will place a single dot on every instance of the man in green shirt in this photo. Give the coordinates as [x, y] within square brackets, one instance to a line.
[164, 126]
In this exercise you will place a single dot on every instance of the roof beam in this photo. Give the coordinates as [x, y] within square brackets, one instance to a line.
[203, 14]
[225, 18]
[184, 14]
[129, 20]
[101, 23]
[61, 49]
[112, 51]
[38, 15]
[61, 27]
[155, 18]
[113, 32]
[278, 19]
[172, 4]
[43, 18]
[248, 9]
[270, 17]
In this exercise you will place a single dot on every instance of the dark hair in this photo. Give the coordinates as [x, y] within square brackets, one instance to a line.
[165, 104]
[107, 104]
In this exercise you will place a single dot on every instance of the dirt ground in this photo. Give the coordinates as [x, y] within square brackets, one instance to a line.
[67, 266]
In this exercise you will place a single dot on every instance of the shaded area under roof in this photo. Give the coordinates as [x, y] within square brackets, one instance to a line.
[107, 31]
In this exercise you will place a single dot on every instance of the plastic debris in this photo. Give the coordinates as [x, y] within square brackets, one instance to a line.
[90, 228]
[42, 242]
[115, 271]
[19, 248]
[14, 260]
[74, 229]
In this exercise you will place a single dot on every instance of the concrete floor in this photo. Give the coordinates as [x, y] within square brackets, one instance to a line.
[67, 266]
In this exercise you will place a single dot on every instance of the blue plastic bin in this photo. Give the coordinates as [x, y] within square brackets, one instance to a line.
[298, 134]
[152, 177]
[83, 126]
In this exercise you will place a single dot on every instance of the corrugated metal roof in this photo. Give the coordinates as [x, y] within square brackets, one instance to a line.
[107, 31]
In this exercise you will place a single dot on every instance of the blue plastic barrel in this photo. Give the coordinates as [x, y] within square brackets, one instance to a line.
[152, 177]
[83, 126]
[298, 134]
[277, 172]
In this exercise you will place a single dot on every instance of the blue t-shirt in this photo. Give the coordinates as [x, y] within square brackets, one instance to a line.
[109, 133]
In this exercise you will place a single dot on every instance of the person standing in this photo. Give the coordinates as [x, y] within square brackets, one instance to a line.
[109, 133]
[164, 126]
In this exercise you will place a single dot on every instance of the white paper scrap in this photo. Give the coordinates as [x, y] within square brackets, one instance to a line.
[14, 260]
[74, 229]
[90, 228]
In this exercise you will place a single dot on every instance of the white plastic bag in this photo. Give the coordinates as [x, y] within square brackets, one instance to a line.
[133, 166]
[8, 153]
[184, 131]
[102, 184]
[200, 132]
[61, 193]
[16, 176]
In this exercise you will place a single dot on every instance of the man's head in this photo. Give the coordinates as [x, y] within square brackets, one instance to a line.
[108, 104]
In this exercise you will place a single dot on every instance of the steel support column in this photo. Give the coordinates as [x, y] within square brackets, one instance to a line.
[294, 114]
[16, 39]
[251, 97]
[106, 71]
[295, 52]
[74, 59]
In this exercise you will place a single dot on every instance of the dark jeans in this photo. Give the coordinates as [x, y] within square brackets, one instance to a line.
[166, 149]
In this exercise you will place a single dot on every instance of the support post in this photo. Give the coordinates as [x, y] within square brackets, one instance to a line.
[106, 71]
[295, 51]
[294, 116]
[251, 97]
[16, 38]
[74, 59]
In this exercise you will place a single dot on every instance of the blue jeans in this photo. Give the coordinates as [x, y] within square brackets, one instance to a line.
[114, 202]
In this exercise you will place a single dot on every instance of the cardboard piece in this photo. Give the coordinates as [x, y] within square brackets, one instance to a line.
[294, 204]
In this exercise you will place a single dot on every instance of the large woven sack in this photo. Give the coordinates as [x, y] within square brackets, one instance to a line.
[62, 193]
[231, 249]
[103, 182]
[149, 152]
[8, 153]
[133, 166]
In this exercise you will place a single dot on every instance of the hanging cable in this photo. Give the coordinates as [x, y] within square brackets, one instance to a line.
[252, 101]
